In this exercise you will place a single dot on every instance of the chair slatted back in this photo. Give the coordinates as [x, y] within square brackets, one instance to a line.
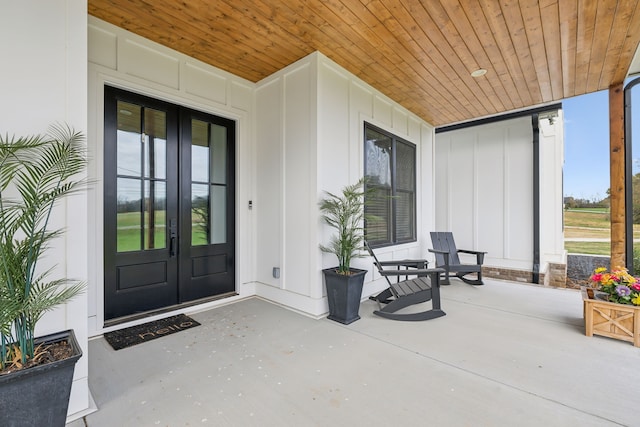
[443, 241]
[376, 262]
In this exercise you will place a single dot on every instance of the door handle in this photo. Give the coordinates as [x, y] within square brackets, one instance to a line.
[173, 234]
[172, 247]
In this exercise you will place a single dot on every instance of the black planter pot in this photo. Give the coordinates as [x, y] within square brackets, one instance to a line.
[344, 293]
[39, 396]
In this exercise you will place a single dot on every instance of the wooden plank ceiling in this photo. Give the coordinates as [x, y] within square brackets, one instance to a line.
[419, 53]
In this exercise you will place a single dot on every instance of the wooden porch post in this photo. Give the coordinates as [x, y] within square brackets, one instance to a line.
[617, 187]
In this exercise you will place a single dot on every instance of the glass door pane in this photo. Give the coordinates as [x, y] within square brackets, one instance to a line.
[208, 183]
[141, 178]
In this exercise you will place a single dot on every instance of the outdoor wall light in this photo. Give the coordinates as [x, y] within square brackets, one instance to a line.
[550, 115]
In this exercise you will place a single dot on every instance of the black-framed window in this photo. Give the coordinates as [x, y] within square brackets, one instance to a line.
[390, 169]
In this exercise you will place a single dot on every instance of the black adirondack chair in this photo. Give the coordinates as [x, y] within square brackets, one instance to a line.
[444, 248]
[405, 291]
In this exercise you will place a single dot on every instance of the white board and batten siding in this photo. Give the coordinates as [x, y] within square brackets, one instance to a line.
[309, 138]
[44, 81]
[299, 132]
[484, 191]
[122, 59]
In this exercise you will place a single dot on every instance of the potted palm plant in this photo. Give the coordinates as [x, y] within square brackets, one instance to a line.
[35, 373]
[344, 213]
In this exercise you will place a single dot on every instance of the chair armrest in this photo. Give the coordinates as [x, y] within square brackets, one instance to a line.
[420, 273]
[445, 254]
[479, 254]
[467, 251]
[438, 251]
[403, 262]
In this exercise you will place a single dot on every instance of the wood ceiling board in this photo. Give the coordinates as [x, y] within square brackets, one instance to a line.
[413, 54]
[482, 52]
[495, 59]
[586, 28]
[603, 25]
[532, 20]
[624, 13]
[498, 25]
[550, 16]
[568, 41]
[437, 26]
[419, 54]
[629, 47]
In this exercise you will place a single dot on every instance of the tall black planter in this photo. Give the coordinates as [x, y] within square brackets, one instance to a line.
[39, 396]
[344, 293]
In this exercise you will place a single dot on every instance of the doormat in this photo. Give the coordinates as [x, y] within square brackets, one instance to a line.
[149, 331]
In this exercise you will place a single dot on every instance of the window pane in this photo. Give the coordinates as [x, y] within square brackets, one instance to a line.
[209, 178]
[129, 136]
[405, 196]
[128, 214]
[218, 209]
[405, 220]
[199, 214]
[200, 151]
[218, 154]
[155, 157]
[154, 215]
[378, 172]
[406, 167]
[390, 207]
[378, 215]
[378, 158]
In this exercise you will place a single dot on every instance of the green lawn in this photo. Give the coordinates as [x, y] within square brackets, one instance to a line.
[592, 248]
[587, 223]
[596, 210]
[129, 232]
[588, 218]
[590, 223]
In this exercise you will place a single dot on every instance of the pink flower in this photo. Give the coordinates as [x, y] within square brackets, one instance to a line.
[596, 277]
[636, 286]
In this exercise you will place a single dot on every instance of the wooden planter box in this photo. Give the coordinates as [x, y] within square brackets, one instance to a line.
[619, 321]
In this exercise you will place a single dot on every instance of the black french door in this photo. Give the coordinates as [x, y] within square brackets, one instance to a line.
[169, 204]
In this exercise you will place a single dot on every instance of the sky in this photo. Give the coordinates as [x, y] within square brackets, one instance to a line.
[586, 145]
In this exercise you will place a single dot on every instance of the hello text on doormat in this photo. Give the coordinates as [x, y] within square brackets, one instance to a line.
[149, 331]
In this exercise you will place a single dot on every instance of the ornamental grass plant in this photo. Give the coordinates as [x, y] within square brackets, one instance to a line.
[618, 285]
[35, 173]
[345, 213]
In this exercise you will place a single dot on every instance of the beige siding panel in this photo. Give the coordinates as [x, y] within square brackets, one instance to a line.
[298, 144]
[149, 64]
[383, 111]
[103, 47]
[333, 129]
[400, 121]
[205, 84]
[490, 180]
[240, 96]
[268, 199]
[518, 190]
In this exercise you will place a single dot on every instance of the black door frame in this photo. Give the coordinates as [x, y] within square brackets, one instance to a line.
[207, 261]
[628, 151]
[178, 119]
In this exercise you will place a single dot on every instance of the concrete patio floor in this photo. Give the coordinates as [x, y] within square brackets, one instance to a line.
[504, 355]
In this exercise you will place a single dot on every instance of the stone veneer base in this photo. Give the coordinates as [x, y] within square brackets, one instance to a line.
[556, 276]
